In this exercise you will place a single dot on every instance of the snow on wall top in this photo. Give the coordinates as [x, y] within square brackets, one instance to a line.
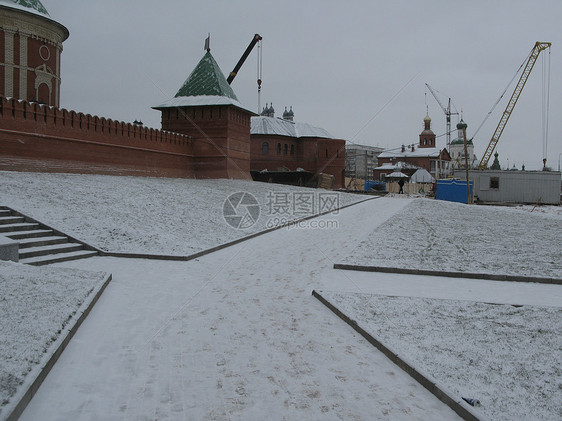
[199, 100]
[277, 126]
[32, 6]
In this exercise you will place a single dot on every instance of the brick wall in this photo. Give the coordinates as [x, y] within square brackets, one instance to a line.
[36, 137]
[317, 155]
[220, 135]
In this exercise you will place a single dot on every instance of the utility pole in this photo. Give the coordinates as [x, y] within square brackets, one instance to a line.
[463, 126]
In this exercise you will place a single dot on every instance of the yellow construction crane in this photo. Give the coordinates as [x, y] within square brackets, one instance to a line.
[539, 46]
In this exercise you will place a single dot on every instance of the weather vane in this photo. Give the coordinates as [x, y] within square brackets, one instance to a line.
[208, 43]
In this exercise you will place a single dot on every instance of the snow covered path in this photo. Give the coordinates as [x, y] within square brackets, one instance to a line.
[233, 335]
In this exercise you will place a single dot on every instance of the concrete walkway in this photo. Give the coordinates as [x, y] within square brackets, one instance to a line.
[233, 335]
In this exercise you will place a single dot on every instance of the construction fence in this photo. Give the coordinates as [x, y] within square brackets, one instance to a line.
[354, 184]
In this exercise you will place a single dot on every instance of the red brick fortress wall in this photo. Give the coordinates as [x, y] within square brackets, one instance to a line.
[36, 137]
[220, 136]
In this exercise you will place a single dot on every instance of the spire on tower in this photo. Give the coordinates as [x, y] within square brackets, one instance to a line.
[208, 43]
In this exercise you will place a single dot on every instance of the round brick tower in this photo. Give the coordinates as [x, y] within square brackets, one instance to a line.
[30, 52]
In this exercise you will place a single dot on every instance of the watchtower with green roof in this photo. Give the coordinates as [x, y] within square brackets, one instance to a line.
[207, 109]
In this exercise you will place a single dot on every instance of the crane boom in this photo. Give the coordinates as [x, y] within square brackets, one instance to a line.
[539, 46]
[232, 74]
[436, 98]
[447, 112]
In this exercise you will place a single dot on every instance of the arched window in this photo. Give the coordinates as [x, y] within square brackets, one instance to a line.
[44, 94]
[279, 149]
[292, 149]
[285, 149]
[265, 148]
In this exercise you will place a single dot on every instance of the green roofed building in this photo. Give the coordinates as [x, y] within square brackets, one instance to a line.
[207, 109]
[206, 85]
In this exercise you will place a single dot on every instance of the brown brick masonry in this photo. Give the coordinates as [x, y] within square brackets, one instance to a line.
[35, 137]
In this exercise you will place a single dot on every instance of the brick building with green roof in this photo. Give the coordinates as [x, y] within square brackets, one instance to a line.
[207, 109]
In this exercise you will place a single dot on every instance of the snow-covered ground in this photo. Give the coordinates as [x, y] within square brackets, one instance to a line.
[156, 215]
[438, 235]
[236, 334]
[35, 306]
[506, 356]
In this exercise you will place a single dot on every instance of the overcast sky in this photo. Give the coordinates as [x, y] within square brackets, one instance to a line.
[356, 68]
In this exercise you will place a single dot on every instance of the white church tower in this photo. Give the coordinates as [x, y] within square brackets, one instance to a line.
[457, 150]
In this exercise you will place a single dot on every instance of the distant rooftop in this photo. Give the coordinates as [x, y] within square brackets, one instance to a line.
[418, 152]
[276, 126]
[354, 146]
[400, 165]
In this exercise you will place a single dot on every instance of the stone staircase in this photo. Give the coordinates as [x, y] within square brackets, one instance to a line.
[39, 244]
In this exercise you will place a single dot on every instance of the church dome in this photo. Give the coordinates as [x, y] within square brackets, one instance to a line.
[32, 6]
[427, 118]
[462, 125]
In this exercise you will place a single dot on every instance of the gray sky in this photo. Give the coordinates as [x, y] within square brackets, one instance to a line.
[356, 68]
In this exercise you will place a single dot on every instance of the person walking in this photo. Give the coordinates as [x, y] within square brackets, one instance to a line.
[401, 184]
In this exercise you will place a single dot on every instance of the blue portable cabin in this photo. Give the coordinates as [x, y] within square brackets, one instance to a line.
[452, 190]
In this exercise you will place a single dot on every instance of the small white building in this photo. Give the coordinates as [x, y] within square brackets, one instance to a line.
[530, 187]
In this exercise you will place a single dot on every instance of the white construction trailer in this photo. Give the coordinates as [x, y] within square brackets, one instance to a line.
[531, 187]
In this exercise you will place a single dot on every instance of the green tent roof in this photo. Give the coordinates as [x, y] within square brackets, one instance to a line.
[206, 85]
[29, 4]
[206, 79]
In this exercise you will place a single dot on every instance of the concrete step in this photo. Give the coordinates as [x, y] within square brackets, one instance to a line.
[18, 227]
[61, 257]
[45, 250]
[16, 235]
[5, 220]
[41, 241]
[39, 245]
